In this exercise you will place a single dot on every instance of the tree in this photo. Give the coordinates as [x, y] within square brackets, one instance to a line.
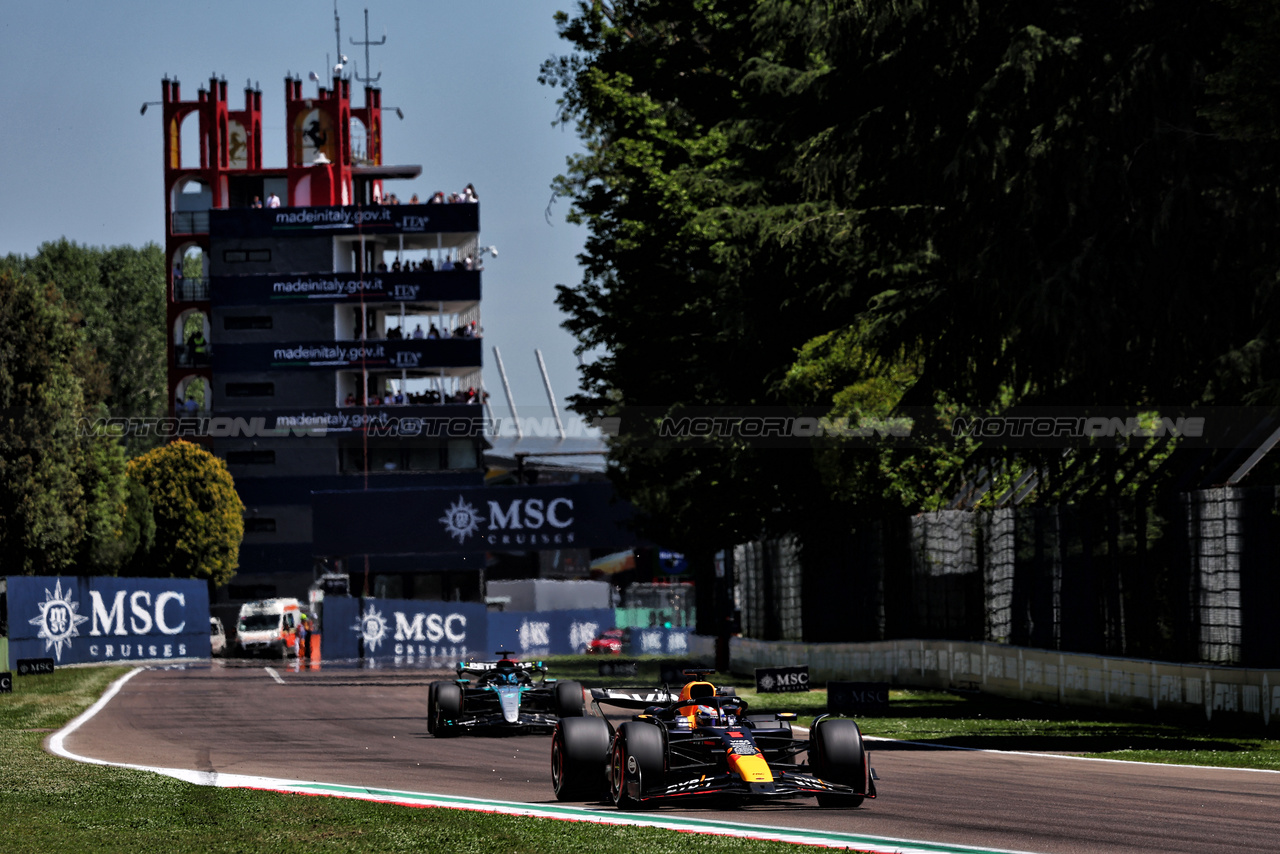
[969, 206]
[199, 518]
[686, 316]
[119, 294]
[62, 488]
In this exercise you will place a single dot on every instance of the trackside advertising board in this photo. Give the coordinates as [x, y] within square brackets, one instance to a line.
[539, 634]
[408, 631]
[81, 620]
[472, 519]
[402, 631]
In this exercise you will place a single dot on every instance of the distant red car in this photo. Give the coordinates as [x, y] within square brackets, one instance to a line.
[609, 642]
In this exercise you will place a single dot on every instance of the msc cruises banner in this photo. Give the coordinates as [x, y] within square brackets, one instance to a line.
[504, 518]
[77, 620]
[312, 288]
[409, 354]
[376, 219]
[543, 633]
[403, 631]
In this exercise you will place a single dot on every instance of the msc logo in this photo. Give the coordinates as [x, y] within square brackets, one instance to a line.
[462, 520]
[60, 616]
[59, 621]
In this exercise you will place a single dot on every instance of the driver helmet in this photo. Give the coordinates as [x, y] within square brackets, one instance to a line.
[708, 716]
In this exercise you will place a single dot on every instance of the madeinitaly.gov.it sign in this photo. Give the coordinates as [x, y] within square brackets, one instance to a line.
[80, 620]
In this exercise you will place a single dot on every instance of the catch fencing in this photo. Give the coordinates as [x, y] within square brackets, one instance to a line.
[1194, 580]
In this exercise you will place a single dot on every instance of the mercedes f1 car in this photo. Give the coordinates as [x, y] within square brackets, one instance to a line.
[702, 744]
[503, 698]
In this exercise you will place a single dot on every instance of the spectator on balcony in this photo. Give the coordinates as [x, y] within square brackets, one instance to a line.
[273, 201]
[394, 334]
[351, 399]
[417, 331]
[395, 266]
[399, 398]
[190, 409]
[446, 264]
[437, 198]
[434, 333]
[427, 266]
[469, 194]
[257, 202]
[197, 347]
[382, 266]
[414, 199]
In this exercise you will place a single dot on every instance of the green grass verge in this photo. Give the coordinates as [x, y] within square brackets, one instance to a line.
[992, 723]
[53, 804]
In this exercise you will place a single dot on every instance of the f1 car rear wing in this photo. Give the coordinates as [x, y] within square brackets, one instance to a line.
[632, 699]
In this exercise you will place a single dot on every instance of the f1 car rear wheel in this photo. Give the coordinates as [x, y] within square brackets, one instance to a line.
[569, 702]
[636, 764]
[448, 708]
[579, 754]
[838, 755]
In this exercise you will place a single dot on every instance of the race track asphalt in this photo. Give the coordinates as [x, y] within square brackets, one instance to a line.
[365, 727]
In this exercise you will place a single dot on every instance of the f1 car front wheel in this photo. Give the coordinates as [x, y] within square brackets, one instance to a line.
[579, 752]
[636, 764]
[432, 690]
[838, 755]
[448, 709]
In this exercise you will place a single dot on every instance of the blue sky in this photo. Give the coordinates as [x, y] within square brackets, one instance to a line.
[81, 163]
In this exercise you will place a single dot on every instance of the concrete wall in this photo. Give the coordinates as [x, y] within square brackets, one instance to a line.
[1026, 674]
[542, 594]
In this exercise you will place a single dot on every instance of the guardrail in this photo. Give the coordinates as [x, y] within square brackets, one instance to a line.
[1065, 678]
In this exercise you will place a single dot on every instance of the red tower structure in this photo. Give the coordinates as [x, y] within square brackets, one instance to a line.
[324, 169]
[303, 309]
[230, 143]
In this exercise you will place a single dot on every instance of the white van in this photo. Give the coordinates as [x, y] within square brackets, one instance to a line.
[268, 627]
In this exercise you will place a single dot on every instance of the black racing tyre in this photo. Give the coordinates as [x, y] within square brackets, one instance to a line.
[432, 689]
[448, 708]
[568, 700]
[637, 755]
[838, 755]
[579, 758]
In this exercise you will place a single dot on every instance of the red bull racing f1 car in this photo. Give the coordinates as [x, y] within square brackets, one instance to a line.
[501, 698]
[701, 743]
